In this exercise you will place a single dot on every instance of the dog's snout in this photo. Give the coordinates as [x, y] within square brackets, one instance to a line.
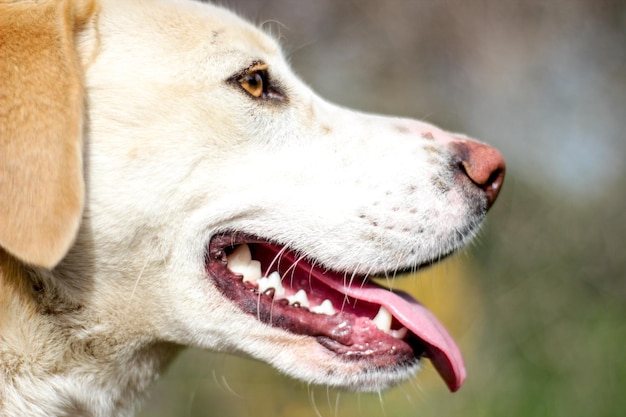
[483, 165]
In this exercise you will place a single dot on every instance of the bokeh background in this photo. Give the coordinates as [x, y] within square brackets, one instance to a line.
[538, 304]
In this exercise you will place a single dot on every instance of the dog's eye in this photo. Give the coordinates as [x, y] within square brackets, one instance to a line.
[255, 83]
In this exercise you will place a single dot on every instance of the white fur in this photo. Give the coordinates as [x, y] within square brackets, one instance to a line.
[173, 155]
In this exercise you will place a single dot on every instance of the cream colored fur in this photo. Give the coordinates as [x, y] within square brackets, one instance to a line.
[125, 148]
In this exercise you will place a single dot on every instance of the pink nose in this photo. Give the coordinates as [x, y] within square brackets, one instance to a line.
[483, 165]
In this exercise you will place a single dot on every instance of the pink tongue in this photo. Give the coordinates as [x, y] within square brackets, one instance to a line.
[440, 347]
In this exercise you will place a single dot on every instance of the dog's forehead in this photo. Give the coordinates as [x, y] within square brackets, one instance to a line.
[194, 27]
[227, 32]
[241, 35]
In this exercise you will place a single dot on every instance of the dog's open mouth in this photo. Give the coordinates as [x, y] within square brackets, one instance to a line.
[347, 314]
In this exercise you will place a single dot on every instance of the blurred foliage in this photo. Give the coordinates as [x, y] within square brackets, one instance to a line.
[538, 304]
[553, 290]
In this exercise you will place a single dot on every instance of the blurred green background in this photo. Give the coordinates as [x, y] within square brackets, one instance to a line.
[538, 304]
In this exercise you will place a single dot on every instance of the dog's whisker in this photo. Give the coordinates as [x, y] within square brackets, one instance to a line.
[132, 293]
[276, 259]
[359, 404]
[230, 389]
[367, 275]
[407, 394]
[258, 306]
[292, 268]
[390, 281]
[418, 390]
[313, 402]
[328, 398]
[267, 26]
[311, 269]
[336, 409]
[382, 403]
[352, 281]
[345, 297]
[191, 399]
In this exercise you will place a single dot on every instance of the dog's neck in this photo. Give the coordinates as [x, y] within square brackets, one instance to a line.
[51, 348]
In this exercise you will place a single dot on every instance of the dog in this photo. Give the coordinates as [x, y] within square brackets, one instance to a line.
[167, 181]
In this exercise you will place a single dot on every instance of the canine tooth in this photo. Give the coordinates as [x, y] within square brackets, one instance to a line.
[240, 262]
[252, 272]
[383, 319]
[299, 298]
[325, 308]
[241, 255]
[272, 281]
[399, 334]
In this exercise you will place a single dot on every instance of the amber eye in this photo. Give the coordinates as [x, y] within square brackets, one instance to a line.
[254, 83]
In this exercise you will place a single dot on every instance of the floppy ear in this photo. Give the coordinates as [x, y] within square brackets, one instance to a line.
[41, 104]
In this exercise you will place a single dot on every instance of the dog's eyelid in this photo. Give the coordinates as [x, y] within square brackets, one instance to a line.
[258, 66]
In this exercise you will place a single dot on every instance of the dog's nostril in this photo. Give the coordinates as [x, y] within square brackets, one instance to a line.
[483, 165]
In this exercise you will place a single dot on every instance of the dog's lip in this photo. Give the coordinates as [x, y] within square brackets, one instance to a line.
[344, 332]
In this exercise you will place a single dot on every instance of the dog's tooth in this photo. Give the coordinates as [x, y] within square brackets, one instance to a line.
[325, 308]
[241, 255]
[398, 334]
[240, 262]
[263, 284]
[252, 272]
[277, 284]
[299, 298]
[272, 281]
[239, 259]
[383, 319]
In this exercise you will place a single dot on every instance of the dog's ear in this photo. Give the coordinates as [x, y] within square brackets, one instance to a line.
[41, 105]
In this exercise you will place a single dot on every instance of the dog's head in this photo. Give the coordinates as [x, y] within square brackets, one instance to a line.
[226, 205]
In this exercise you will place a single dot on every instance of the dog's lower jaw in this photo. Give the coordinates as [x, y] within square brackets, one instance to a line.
[306, 360]
[348, 375]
